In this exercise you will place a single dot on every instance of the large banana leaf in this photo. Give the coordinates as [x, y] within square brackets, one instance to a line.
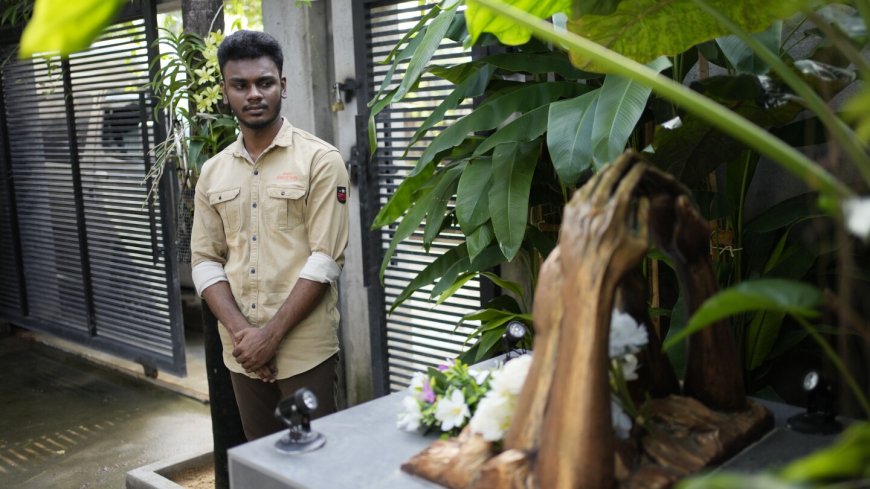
[619, 107]
[743, 58]
[482, 20]
[441, 184]
[776, 295]
[430, 43]
[643, 30]
[524, 128]
[65, 27]
[472, 195]
[569, 135]
[494, 111]
[513, 165]
[472, 86]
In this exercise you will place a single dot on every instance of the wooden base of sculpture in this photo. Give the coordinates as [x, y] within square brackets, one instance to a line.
[681, 437]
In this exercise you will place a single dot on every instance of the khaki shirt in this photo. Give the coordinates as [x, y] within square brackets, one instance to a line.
[262, 220]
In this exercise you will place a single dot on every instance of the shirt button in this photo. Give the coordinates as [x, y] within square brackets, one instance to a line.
[253, 238]
[255, 205]
[253, 306]
[253, 270]
[282, 193]
[256, 172]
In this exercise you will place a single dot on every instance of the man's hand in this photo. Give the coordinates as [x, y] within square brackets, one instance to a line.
[254, 349]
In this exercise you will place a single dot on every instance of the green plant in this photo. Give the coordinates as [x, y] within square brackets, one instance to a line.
[548, 125]
[187, 88]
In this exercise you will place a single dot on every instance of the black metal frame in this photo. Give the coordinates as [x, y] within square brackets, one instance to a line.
[7, 179]
[145, 9]
[365, 172]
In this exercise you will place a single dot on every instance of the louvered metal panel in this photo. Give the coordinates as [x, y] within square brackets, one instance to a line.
[419, 333]
[94, 253]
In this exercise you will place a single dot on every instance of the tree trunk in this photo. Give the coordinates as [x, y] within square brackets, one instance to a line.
[197, 16]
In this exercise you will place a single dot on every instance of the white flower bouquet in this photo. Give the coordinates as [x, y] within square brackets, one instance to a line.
[450, 397]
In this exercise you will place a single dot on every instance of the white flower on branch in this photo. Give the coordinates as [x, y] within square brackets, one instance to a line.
[628, 363]
[626, 336]
[493, 417]
[508, 380]
[409, 420]
[621, 421]
[857, 216]
[452, 410]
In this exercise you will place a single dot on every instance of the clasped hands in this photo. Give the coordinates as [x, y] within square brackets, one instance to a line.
[254, 349]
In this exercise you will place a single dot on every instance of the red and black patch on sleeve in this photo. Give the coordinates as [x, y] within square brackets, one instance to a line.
[341, 194]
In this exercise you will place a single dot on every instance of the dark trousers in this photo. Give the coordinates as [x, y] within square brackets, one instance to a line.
[257, 399]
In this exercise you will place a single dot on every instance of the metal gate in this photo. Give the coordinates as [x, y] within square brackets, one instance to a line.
[418, 334]
[83, 256]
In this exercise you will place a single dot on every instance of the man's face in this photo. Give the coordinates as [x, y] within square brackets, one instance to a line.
[253, 89]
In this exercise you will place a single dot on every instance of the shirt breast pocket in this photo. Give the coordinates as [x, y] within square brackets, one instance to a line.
[285, 206]
[228, 205]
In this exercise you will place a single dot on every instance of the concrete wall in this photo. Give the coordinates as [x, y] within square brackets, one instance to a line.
[318, 51]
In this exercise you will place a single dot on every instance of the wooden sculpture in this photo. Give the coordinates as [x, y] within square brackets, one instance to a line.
[561, 434]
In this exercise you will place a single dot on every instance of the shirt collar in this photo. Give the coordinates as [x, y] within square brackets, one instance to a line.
[284, 139]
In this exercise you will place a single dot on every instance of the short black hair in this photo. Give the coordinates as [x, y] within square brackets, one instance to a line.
[250, 45]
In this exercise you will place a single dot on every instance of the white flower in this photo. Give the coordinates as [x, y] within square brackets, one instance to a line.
[479, 376]
[857, 215]
[493, 417]
[621, 421]
[409, 419]
[452, 410]
[626, 336]
[628, 363]
[508, 381]
[416, 385]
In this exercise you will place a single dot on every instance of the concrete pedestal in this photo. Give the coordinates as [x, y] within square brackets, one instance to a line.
[364, 450]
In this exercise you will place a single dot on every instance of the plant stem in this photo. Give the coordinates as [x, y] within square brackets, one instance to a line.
[715, 114]
[839, 130]
[838, 363]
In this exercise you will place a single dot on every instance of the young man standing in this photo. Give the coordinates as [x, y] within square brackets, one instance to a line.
[269, 232]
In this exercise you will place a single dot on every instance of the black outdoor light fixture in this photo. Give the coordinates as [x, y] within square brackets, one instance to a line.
[513, 334]
[819, 417]
[296, 411]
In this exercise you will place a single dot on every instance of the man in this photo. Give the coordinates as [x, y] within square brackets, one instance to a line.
[269, 232]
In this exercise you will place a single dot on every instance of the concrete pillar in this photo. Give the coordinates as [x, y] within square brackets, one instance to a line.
[304, 36]
[318, 51]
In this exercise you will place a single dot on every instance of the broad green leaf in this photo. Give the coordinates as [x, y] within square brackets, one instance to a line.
[438, 200]
[620, 105]
[643, 30]
[761, 334]
[403, 198]
[484, 261]
[375, 110]
[431, 40]
[556, 62]
[479, 240]
[785, 213]
[775, 295]
[569, 135]
[411, 221]
[741, 56]
[524, 128]
[458, 284]
[481, 19]
[505, 284]
[434, 270]
[513, 165]
[473, 86]
[472, 195]
[487, 342]
[599, 7]
[494, 111]
[64, 27]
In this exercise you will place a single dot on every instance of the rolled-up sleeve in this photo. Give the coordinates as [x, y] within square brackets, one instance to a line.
[208, 244]
[327, 217]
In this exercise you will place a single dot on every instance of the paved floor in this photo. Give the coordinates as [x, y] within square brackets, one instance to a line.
[66, 422]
